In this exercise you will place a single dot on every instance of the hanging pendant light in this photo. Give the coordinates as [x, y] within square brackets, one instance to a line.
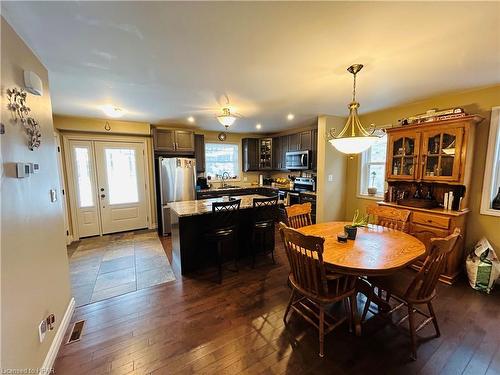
[226, 119]
[354, 138]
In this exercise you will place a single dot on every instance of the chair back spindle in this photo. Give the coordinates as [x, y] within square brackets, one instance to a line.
[424, 283]
[299, 215]
[393, 218]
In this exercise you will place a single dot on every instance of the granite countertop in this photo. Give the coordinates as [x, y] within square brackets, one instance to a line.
[220, 190]
[204, 206]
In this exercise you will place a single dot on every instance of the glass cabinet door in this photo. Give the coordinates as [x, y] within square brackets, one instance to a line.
[441, 155]
[403, 155]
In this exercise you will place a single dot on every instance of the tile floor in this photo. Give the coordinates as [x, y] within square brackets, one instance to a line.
[107, 266]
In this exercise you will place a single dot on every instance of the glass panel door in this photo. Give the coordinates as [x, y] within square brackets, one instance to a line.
[403, 153]
[442, 155]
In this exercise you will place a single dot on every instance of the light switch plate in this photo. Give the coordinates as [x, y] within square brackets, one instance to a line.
[330, 177]
[53, 195]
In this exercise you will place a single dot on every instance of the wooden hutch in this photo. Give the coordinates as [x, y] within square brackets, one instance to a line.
[425, 161]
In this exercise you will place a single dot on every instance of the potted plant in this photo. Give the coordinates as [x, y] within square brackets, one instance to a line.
[373, 190]
[357, 221]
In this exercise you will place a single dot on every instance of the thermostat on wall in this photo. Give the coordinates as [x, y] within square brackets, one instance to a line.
[22, 170]
[34, 167]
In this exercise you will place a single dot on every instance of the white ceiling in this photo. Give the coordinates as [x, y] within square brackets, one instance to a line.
[163, 62]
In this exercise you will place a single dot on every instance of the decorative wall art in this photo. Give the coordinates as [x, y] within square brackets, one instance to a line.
[18, 106]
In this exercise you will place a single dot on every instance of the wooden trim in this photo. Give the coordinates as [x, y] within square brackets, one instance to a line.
[439, 211]
[50, 358]
[493, 145]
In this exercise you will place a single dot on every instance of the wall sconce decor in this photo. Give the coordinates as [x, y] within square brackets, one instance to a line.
[20, 110]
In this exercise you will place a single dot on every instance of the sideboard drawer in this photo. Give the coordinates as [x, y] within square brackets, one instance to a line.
[431, 220]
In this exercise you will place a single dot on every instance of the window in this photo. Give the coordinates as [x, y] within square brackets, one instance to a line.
[491, 183]
[83, 174]
[121, 175]
[220, 158]
[373, 168]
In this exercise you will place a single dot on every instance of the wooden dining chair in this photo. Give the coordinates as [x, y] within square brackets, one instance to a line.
[389, 217]
[299, 215]
[313, 288]
[418, 290]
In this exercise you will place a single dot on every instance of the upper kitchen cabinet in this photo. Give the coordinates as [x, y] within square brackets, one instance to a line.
[199, 152]
[173, 141]
[314, 148]
[265, 153]
[294, 142]
[251, 154]
[276, 153]
[439, 151]
[305, 140]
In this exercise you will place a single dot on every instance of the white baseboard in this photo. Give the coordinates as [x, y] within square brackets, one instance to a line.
[56, 343]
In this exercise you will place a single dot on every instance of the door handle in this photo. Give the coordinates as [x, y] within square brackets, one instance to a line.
[102, 189]
[103, 196]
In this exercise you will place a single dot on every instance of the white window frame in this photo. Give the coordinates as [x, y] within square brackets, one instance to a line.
[238, 163]
[491, 180]
[364, 179]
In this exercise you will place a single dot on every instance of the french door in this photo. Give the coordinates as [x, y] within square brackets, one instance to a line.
[109, 185]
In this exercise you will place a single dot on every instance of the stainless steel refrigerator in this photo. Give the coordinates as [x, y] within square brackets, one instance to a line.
[177, 183]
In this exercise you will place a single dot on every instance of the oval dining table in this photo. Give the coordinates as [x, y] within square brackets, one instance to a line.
[376, 251]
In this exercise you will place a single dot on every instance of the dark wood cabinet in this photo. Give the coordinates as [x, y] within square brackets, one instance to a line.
[199, 152]
[294, 142]
[314, 149]
[276, 153]
[266, 154]
[174, 141]
[283, 150]
[250, 152]
[305, 140]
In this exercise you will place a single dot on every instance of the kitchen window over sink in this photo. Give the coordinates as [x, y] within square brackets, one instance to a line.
[372, 169]
[220, 158]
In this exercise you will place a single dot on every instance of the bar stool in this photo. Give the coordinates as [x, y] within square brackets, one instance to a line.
[264, 214]
[224, 228]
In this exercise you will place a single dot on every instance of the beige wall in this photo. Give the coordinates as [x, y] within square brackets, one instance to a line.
[97, 125]
[330, 203]
[34, 264]
[477, 101]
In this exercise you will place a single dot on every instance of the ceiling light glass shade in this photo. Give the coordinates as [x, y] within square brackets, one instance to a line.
[353, 139]
[226, 119]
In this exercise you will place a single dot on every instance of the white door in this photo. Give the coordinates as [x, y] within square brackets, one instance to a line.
[121, 186]
[84, 177]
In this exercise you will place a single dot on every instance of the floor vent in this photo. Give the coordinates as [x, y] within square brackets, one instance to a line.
[76, 332]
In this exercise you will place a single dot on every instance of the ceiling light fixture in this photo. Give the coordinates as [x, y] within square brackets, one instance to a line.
[354, 138]
[290, 116]
[258, 126]
[226, 119]
[112, 111]
[190, 119]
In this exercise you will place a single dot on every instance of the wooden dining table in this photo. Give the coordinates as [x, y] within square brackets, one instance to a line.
[376, 251]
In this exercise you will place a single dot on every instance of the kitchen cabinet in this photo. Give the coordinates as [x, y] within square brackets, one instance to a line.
[434, 152]
[199, 152]
[173, 141]
[294, 142]
[314, 149]
[305, 140]
[250, 152]
[283, 150]
[265, 154]
[276, 153]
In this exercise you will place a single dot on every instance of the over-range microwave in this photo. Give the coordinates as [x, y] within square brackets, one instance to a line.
[298, 160]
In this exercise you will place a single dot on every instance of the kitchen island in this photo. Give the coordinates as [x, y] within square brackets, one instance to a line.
[190, 220]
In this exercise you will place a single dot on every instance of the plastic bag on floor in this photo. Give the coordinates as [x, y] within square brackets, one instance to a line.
[483, 266]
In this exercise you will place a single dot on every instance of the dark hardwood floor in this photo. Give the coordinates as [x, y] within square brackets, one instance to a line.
[195, 326]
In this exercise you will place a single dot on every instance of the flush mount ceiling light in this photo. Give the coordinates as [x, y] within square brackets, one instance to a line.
[190, 119]
[290, 116]
[227, 119]
[112, 111]
[258, 126]
[353, 138]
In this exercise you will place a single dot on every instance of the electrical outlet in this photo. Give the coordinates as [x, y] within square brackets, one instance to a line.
[330, 177]
[42, 329]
